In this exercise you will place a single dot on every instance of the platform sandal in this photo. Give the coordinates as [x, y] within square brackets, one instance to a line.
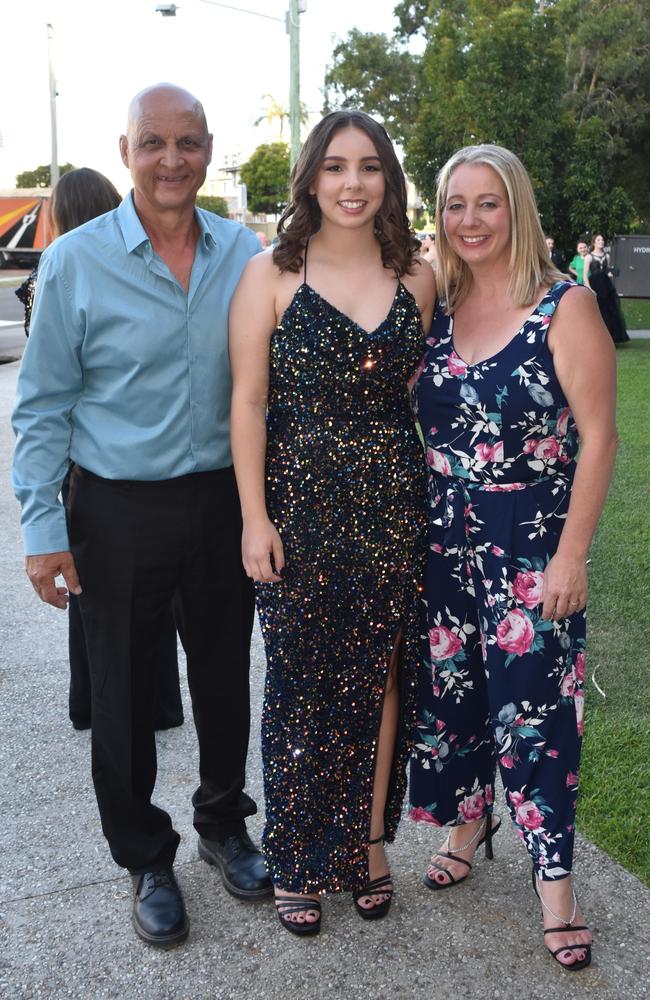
[489, 829]
[382, 886]
[566, 925]
[285, 905]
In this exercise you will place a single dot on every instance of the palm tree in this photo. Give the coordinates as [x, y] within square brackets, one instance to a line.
[280, 112]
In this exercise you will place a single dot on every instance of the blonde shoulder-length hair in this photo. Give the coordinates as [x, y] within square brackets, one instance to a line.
[530, 265]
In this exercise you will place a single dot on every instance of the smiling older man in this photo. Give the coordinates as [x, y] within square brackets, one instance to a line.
[126, 376]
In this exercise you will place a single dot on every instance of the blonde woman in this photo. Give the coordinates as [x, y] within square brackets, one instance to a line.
[519, 371]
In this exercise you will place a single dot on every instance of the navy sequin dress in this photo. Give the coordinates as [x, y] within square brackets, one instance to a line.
[346, 490]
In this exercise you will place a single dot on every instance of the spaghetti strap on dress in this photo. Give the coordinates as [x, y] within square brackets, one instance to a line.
[346, 490]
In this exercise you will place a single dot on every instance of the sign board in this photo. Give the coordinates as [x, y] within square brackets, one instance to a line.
[24, 230]
[630, 258]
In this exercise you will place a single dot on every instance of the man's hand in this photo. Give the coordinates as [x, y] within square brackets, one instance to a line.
[43, 571]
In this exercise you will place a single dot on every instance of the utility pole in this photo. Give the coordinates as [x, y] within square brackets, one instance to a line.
[296, 7]
[54, 165]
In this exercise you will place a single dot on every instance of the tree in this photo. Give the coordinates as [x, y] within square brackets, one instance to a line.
[266, 176]
[275, 111]
[607, 45]
[486, 78]
[608, 60]
[369, 71]
[213, 203]
[41, 177]
[593, 205]
[526, 74]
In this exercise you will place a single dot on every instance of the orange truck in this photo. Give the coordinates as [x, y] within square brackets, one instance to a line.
[24, 226]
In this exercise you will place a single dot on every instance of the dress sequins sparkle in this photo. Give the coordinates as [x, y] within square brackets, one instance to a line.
[346, 489]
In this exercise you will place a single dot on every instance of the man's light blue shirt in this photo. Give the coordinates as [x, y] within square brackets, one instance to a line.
[124, 372]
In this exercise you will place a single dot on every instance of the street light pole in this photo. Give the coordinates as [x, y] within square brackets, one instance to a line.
[54, 165]
[296, 8]
[294, 78]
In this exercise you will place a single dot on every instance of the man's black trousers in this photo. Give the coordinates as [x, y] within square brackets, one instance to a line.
[135, 545]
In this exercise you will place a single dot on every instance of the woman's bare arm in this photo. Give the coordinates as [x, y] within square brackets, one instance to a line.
[585, 364]
[251, 322]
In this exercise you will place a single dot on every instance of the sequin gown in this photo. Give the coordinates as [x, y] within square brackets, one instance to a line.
[346, 490]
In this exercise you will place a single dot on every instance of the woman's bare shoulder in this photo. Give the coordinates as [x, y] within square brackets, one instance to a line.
[421, 283]
[261, 266]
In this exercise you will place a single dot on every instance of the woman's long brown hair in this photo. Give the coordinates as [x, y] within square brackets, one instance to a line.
[79, 196]
[302, 216]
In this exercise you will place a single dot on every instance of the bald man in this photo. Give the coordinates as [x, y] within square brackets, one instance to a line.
[126, 376]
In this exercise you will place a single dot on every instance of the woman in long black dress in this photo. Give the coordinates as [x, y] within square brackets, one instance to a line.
[598, 277]
[326, 330]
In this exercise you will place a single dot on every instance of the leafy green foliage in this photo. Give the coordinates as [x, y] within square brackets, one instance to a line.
[593, 205]
[213, 203]
[370, 71]
[266, 176]
[607, 44]
[565, 84]
[465, 98]
[41, 177]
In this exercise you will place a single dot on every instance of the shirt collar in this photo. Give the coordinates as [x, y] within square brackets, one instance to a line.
[135, 235]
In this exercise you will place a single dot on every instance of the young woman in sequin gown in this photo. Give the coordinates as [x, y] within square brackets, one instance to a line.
[326, 330]
[518, 364]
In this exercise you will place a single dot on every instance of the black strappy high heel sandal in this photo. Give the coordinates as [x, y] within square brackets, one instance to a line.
[382, 886]
[490, 830]
[567, 925]
[285, 905]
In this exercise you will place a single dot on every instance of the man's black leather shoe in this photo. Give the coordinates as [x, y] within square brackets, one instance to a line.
[159, 915]
[241, 864]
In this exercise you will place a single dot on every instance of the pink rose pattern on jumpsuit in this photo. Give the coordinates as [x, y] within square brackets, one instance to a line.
[498, 685]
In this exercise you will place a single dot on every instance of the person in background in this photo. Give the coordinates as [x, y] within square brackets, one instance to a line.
[554, 255]
[25, 294]
[263, 239]
[598, 276]
[85, 196]
[518, 373]
[428, 251]
[126, 375]
[577, 265]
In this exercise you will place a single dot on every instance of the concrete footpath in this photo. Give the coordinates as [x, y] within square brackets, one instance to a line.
[65, 907]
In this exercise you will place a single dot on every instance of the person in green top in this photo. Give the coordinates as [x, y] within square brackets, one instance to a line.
[577, 265]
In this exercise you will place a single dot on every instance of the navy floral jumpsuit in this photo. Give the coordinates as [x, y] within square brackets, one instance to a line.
[498, 683]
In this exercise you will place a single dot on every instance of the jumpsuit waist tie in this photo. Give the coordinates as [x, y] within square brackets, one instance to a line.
[451, 497]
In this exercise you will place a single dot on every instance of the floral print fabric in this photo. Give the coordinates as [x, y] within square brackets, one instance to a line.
[498, 684]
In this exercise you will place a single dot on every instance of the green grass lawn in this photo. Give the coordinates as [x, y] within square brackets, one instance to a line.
[637, 313]
[614, 806]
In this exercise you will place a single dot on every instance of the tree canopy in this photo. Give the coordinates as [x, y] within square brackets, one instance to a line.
[41, 177]
[266, 176]
[213, 203]
[563, 83]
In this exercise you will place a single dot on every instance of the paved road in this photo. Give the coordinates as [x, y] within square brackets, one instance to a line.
[65, 907]
[12, 334]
